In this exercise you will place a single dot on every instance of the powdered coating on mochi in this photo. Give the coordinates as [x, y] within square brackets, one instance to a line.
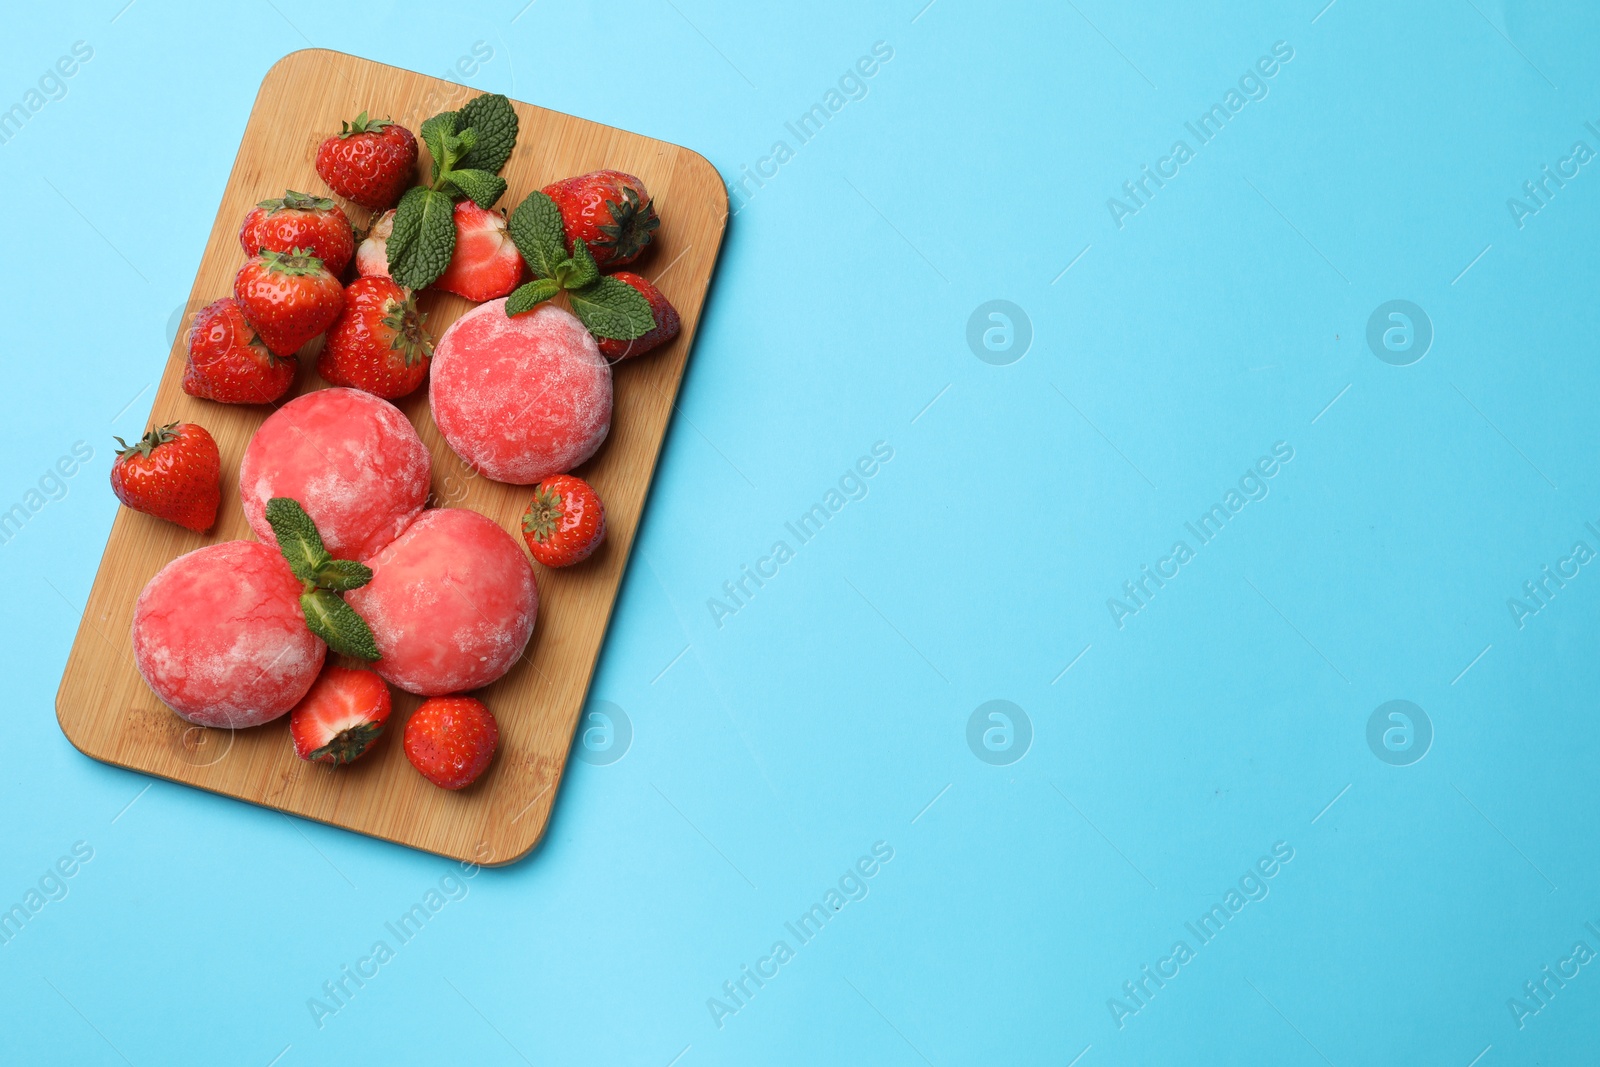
[520, 399]
[451, 604]
[219, 636]
[352, 461]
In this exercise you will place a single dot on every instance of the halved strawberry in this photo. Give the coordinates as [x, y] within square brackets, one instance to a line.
[486, 263]
[372, 256]
[344, 712]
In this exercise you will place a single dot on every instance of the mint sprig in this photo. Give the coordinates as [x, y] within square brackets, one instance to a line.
[607, 307]
[323, 578]
[469, 147]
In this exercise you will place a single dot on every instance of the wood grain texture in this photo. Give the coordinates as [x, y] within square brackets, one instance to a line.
[103, 705]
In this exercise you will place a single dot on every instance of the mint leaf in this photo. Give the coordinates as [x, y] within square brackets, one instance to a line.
[479, 186]
[494, 120]
[434, 132]
[529, 296]
[537, 232]
[613, 309]
[297, 537]
[337, 623]
[578, 271]
[343, 575]
[456, 147]
[423, 239]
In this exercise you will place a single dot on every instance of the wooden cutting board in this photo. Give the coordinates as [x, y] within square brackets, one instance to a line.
[105, 708]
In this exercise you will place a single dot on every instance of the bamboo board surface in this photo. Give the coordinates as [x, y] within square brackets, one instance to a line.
[103, 705]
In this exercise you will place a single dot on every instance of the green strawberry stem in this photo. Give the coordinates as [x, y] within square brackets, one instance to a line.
[362, 124]
[152, 439]
[296, 262]
[349, 743]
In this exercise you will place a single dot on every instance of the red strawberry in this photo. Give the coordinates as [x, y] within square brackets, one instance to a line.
[451, 740]
[661, 309]
[372, 256]
[486, 264]
[610, 211]
[565, 521]
[313, 223]
[378, 343]
[173, 472]
[227, 361]
[340, 717]
[288, 297]
[370, 161]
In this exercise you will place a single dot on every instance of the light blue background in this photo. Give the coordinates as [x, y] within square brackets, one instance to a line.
[827, 714]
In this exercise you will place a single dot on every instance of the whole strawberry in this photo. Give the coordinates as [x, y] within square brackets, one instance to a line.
[378, 342]
[565, 521]
[369, 161]
[298, 220]
[339, 718]
[451, 740]
[485, 264]
[609, 211]
[173, 472]
[288, 297]
[661, 310]
[227, 361]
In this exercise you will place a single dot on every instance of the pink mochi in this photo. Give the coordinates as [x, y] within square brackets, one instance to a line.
[451, 603]
[351, 460]
[219, 636]
[520, 399]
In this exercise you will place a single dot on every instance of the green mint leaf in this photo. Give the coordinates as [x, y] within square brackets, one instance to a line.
[529, 296]
[423, 239]
[537, 232]
[479, 186]
[434, 132]
[458, 146]
[613, 309]
[337, 623]
[297, 536]
[494, 120]
[343, 575]
[578, 271]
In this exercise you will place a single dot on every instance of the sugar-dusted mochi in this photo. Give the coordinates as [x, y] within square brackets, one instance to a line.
[520, 399]
[451, 603]
[350, 459]
[219, 636]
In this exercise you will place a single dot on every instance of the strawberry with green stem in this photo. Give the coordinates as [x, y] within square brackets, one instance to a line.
[173, 472]
[565, 521]
[299, 220]
[378, 343]
[609, 211]
[369, 161]
[289, 297]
